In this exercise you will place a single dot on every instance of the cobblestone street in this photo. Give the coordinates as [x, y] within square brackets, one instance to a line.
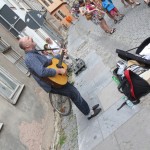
[30, 124]
[126, 129]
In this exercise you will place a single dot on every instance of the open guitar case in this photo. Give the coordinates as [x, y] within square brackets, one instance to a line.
[126, 55]
[138, 83]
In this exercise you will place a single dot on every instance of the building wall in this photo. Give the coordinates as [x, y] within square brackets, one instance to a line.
[29, 123]
[64, 10]
[50, 21]
[51, 6]
[56, 6]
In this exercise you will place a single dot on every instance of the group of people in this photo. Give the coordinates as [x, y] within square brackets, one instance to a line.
[95, 11]
[38, 63]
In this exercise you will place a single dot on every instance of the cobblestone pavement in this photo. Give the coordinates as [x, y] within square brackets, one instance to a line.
[126, 129]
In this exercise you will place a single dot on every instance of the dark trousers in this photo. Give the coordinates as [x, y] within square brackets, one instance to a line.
[70, 91]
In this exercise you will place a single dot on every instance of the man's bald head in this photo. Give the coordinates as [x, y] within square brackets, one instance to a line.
[26, 43]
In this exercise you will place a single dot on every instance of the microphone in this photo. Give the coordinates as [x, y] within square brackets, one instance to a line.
[48, 49]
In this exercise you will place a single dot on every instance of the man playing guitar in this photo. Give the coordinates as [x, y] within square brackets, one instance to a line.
[38, 66]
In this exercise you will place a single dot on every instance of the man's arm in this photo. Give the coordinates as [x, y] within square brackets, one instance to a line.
[35, 64]
[61, 71]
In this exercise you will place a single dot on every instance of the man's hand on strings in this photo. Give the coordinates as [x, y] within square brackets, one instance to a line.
[65, 50]
[61, 71]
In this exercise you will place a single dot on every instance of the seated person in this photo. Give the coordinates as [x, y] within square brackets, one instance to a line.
[54, 52]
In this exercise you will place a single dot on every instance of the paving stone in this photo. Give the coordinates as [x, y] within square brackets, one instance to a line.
[104, 95]
[90, 136]
[134, 135]
[108, 144]
[112, 119]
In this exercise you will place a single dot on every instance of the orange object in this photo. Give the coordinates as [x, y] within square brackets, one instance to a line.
[69, 19]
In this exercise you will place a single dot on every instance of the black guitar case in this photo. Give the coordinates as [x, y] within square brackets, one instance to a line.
[126, 55]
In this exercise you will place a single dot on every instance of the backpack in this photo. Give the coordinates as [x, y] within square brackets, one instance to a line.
[133, 87]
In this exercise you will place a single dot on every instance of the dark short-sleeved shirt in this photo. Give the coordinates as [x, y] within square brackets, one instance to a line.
[37, 64]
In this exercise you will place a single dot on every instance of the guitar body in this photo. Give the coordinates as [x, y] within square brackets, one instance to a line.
[58, 79]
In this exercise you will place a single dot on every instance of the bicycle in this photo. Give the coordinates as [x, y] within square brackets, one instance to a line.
[61, 104]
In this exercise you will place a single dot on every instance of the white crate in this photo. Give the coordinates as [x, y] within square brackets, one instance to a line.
[146, 76]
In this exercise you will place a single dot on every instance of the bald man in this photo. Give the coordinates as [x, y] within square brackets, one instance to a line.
[37, 65]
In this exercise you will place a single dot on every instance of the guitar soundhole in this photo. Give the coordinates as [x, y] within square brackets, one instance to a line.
[59, 66]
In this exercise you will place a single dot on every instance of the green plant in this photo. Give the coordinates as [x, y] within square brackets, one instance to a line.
[62, 139]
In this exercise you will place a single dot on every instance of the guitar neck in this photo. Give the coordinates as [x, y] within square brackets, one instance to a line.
[59, 65]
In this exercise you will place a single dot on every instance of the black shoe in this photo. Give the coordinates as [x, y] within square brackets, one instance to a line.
[95, 106]
[96, 112]
[120, 18]
[137, 4]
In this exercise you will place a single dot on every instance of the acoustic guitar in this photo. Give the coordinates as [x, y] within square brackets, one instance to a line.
[58, 80]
